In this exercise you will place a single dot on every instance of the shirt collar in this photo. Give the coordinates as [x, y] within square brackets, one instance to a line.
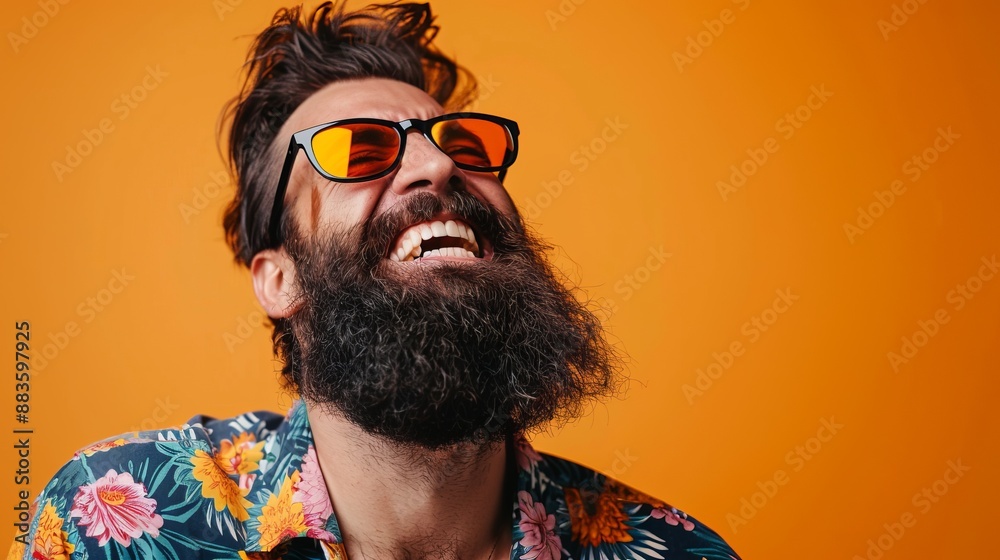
[288, 498]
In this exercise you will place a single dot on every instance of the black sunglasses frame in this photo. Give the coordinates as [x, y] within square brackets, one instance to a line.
[303, 140]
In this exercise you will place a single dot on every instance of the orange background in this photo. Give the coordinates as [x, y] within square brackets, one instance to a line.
[183, 337]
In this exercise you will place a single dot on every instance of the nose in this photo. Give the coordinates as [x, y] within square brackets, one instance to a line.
[424, 166]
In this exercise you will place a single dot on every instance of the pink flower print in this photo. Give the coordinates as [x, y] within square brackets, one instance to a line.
[246, 482]
[671, 517]
[538, 527]
[312, 493]
[116, 507]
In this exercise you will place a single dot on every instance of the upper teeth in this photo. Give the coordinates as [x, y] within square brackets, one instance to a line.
[408, 244]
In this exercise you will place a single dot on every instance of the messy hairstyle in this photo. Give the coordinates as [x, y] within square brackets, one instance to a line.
[296, 56]
[299, 54]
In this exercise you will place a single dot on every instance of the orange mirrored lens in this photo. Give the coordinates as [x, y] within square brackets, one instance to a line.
[356, 150]
[473, 142]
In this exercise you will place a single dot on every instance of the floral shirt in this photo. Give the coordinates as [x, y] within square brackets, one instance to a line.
[250, 487]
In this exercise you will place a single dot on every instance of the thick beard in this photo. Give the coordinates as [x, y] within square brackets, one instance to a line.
[437, 354]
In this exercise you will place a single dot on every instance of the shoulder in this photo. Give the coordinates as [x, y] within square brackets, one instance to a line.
[576, 510]
[201, 435]
[131, 496]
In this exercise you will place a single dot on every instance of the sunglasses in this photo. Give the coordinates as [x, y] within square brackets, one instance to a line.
[363, 149]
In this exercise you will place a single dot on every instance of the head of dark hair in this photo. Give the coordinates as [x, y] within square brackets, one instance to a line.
[299, 54]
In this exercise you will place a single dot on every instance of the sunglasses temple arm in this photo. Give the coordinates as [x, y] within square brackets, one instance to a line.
[279, 194]
[508, 156]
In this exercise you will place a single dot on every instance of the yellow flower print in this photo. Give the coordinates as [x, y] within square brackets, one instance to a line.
[240, 455]
[282, 517]
[216, 484]
[51, 542]
[596, 519]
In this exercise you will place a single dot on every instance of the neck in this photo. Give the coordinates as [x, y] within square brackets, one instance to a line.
[402, 502]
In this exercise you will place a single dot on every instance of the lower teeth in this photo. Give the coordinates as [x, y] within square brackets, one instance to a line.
[448, 252]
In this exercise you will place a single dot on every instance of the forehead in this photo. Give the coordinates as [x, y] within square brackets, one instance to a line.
[366, 97]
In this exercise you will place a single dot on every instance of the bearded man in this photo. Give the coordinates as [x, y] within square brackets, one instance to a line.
[416, 317]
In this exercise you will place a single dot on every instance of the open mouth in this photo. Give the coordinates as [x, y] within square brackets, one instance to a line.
[451, 238]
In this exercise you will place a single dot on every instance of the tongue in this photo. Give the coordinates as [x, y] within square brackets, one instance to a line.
[440, 242]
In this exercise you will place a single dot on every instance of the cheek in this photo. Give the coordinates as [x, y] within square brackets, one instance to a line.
[491, 191]
[342, 206]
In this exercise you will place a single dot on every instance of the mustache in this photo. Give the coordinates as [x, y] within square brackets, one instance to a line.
[379, 232]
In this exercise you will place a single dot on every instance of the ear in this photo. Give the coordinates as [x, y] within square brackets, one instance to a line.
[273, 274]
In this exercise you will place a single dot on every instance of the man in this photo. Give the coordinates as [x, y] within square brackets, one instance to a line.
[417, 319]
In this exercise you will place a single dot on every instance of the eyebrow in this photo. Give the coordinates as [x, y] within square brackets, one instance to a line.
[459, 131]
[374, 133]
